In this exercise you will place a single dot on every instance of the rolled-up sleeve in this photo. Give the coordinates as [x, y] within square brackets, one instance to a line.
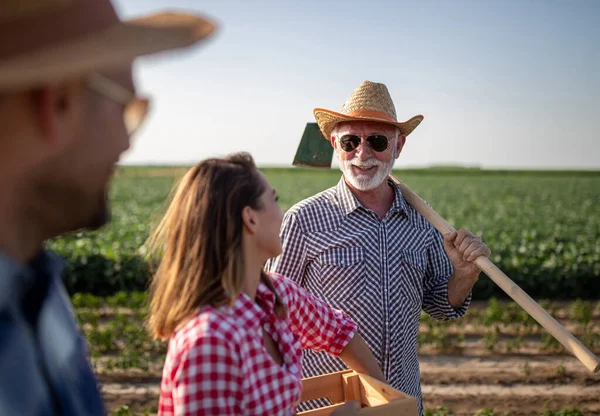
[438, 273]
[319, 326]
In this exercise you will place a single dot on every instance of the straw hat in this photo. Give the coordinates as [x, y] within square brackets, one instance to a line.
[370, 101]
[47, 40]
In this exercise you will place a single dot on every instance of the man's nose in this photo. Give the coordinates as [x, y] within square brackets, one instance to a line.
[364, 151]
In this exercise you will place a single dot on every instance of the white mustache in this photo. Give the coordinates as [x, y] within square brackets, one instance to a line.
[366, 163]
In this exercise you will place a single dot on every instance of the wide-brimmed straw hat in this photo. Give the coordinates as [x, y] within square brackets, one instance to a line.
[47, 40]
[370, 101]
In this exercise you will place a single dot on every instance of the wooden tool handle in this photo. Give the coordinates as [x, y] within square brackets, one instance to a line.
[572, 344]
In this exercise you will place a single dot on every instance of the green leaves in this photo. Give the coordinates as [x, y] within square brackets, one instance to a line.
[543, 228]
[504, 327]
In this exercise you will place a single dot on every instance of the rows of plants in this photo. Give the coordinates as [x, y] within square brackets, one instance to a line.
[488, 312]
[544, 230]
[507, 321]
[492, 311]
[118, 339]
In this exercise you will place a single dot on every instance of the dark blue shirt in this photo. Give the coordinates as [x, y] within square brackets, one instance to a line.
[44, 367]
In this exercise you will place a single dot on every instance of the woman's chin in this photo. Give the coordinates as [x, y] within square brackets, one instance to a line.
[275, 253]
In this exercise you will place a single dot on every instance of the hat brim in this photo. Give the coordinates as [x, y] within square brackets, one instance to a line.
[327, 119]
[117, 45]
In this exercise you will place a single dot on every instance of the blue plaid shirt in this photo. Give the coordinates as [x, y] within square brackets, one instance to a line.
[382, 272]
[44, 368]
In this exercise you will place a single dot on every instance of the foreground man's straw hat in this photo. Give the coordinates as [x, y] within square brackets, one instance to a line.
[47, 40]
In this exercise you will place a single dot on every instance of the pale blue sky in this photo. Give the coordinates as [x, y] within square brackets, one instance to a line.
[512, 83]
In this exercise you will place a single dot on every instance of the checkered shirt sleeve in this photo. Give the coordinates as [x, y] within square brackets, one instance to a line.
[435, 296]
[320, 327]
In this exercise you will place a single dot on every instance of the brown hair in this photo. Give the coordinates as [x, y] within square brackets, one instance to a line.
[199, 241]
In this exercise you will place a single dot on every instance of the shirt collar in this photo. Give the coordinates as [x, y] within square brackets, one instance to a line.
[346, 199]
[400, 204]
[349, 203]
[252, 312]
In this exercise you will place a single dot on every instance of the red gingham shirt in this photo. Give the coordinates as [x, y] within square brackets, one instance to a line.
[217, 363]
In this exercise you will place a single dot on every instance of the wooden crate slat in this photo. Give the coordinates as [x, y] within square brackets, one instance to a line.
[322, 411]
[377, 393]
[351, 385]
[380, 398]
[404, 407]
[328, 385]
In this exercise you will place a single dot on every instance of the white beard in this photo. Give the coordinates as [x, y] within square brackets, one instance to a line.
[364, 182]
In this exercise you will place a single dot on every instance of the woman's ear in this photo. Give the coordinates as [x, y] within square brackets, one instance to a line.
[249, 220]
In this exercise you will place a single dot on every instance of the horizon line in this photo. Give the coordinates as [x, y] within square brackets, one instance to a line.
[415, 167]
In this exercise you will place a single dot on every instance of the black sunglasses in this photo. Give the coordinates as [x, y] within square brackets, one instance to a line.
[350, 142]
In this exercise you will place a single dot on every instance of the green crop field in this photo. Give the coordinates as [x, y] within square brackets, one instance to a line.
[543, 227]
[544, 232]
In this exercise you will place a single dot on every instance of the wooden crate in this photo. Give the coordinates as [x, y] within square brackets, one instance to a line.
[376, 398]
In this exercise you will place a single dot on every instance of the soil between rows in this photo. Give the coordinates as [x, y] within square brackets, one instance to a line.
[522, 385]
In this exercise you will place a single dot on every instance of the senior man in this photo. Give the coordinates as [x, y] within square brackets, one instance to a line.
[359, 245]
[68, 107]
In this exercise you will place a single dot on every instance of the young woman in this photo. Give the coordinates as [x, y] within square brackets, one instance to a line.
[235, 333]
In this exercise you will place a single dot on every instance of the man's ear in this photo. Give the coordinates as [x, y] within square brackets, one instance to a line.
[400, 144]
[333, 142]
[58, 107]
[250, 220]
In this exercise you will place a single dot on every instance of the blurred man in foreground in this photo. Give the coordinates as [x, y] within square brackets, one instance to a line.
[68, 106]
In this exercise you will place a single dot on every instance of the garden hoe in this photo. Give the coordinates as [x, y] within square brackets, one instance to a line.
[314, 151]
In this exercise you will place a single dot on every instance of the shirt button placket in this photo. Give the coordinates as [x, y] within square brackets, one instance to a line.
[385, 283]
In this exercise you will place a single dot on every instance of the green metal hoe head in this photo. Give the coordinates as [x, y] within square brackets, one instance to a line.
[314, 150]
